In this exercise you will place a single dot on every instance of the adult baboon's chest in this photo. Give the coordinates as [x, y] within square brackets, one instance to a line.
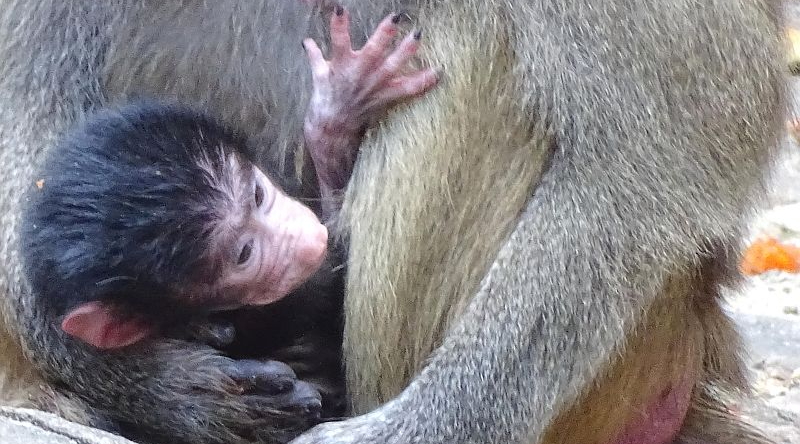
[242, 61]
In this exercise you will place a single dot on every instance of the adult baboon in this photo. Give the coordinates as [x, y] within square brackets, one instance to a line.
[535, 246]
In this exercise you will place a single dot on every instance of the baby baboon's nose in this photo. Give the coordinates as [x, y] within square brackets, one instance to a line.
[314, 244]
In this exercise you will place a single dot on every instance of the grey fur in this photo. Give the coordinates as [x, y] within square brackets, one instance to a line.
[662, 118]
[580, 157]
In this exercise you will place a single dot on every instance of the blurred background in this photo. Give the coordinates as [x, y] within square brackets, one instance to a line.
[768, 306]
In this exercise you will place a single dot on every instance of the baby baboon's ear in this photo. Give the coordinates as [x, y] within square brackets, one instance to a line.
[98, 324]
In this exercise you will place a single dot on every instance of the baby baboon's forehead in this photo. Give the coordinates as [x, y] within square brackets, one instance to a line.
[227, 172]
[232, 178]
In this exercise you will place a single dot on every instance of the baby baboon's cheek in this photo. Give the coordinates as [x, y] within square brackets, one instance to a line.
[295, 245]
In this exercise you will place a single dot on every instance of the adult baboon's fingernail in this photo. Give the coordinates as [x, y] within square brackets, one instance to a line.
[418, 34]
[396, 18]
[339, 10]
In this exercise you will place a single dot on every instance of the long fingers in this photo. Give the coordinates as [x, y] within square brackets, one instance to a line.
[394, 63]
[375, 48]
[408, 86]
[340, 33]
[319, 66]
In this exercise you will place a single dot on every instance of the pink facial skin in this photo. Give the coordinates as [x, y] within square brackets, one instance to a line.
[282, 244]
[351, 88]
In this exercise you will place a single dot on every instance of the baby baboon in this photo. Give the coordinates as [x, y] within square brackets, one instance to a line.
[153, 218]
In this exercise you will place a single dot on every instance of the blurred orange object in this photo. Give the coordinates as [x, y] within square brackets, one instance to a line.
[770, 254]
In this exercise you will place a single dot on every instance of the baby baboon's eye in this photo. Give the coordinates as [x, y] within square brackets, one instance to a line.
[259, 195]
[247, 250]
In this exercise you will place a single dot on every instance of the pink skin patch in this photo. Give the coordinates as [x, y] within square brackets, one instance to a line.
[662, 419]
[97, 324]
[287, 244]
[353, 87]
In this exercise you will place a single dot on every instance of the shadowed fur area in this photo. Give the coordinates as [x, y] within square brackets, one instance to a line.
[531, 244]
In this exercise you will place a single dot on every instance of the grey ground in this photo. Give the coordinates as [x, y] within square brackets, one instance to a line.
[21, 426]
[768, 307]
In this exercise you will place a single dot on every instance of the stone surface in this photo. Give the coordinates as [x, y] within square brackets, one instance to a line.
[23, 426]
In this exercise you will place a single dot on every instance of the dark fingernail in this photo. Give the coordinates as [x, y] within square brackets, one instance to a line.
[396, 18]
[303, 44]
[339, 10]
[418, 34]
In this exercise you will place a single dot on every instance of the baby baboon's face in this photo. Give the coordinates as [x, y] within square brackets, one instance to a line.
[268, 245]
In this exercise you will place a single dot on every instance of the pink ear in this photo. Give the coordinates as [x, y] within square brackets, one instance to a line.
[97, 324]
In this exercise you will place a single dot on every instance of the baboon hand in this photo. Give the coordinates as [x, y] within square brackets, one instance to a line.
[210, 398]
[307, 356]
[356, 84]
[274, 385]
[315, 364]
[350, 90]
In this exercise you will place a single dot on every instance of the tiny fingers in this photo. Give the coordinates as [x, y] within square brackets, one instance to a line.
[319, 66]
[395, 62]
[340, 32]
[409, 86]
[377, 44]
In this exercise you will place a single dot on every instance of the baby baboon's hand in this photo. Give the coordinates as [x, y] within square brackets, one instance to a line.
[355, 84]
[315, 361]
[352, 88]
[210, 398]
[274, 385]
